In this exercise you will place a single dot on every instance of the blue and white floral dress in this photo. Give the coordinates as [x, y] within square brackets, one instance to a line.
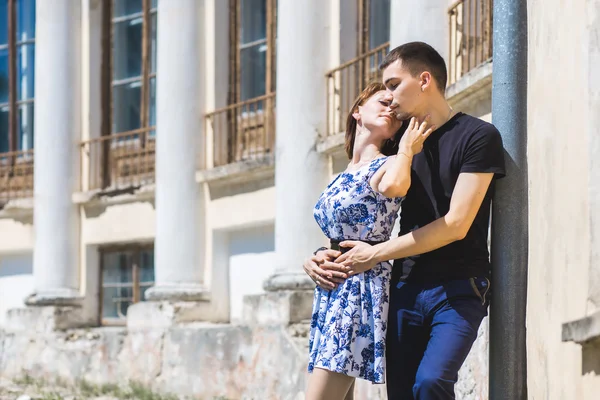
[349, 323]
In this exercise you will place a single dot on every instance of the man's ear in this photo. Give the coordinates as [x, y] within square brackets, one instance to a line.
[426, 81]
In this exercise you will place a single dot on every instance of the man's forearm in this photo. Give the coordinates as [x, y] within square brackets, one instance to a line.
[439, 233]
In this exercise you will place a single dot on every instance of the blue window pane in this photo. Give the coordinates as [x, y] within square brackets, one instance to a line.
[152, 108]
[254, 20]
[123, 8]
[253, 71]
[146, 272]
[25, 71]
[379, 31]
[116, 269]
[154, 4]
[3, 76]
[115, 302]
[3, 22]
[25, 20]
[25, 126]
[127, 49]
[153, 28]
[126, 107]
[147, 266]
[4, 129]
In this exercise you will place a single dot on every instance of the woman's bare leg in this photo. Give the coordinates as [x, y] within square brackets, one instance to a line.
[327, 385]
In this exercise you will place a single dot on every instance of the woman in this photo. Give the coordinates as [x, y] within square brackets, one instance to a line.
[348, 327]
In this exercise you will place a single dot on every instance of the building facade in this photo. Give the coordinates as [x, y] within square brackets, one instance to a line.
[160, 159]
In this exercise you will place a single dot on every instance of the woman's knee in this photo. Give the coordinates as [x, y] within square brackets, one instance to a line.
[328, 385]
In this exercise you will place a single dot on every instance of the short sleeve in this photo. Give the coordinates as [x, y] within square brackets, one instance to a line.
[484, 152]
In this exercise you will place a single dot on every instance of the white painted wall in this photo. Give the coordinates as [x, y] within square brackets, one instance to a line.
[16, 281]
[251, 261]
[16, 236]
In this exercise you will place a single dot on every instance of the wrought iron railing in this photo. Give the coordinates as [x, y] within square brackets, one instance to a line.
[242, 131]
[470, 36]
[16, 175]
[121, 160]
[345, 83]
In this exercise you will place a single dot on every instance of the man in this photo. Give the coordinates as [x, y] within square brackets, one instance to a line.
[440, 285]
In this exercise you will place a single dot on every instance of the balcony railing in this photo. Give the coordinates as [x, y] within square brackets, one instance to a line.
[16, 175]
[243, 131]
[345, 83]
[120, 161]
[470, 36]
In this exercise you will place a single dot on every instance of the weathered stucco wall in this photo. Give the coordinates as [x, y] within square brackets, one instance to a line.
[559, 217]
[207, 361]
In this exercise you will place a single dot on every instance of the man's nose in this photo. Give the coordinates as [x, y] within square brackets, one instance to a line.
[392, 105]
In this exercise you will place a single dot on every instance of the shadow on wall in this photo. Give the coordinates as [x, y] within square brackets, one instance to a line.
[591, 358]
[251, 262]
[16, 281]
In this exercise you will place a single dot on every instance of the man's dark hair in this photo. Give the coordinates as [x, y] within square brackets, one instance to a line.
[418, 57]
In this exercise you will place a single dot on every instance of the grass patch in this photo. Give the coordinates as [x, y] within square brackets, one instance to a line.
[52, 396]
[84, 389]
[142, 392]
[25, 380]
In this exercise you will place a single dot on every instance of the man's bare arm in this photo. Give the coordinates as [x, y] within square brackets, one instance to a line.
[468, 195]
[466, 200]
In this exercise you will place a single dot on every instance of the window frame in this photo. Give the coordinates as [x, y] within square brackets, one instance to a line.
[133, 149]
[235, 47]
[13, 102]
[136, 249]
[108, 83]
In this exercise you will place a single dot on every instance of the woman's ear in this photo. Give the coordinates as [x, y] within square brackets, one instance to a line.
[356, 115]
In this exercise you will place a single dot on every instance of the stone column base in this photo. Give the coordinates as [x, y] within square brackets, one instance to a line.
[281, 307]
[177, 292]
[288, 281]
[45, 319]
[165, 314]
[56, 297]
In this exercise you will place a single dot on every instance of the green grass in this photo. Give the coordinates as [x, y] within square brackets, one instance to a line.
[84, 389]
[52, 396]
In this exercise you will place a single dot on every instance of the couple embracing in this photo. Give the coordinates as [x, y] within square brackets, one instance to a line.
[409, 322]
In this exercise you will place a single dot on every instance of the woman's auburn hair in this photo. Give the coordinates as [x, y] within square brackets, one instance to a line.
[390, 147]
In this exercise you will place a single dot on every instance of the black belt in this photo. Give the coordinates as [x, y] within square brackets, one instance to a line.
[335, 244]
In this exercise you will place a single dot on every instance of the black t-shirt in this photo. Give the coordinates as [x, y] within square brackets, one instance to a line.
[463, 144]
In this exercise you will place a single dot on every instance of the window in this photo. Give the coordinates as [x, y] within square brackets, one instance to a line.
[374, 24]
[126, 273]
[245, 129]
[345, 82]
[252, 49]
[17, 58]
[132, 55]
[123, 157]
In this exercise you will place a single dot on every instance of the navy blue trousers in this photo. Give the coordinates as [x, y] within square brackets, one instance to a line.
[431, 330]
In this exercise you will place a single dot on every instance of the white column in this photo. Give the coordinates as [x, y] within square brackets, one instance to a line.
[422, 20]
[300, 172]
[56, 169]
[178, 267]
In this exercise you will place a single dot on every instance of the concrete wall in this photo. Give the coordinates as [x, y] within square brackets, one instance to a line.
[559, 217]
